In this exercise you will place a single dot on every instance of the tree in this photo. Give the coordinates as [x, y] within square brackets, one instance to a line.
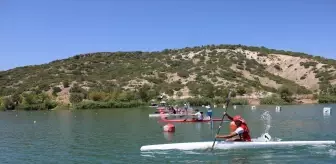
[29, 98]
[8, 103]
[97, 96]
[143, 93]
[16, 98]
[285, 94]
[208, 90]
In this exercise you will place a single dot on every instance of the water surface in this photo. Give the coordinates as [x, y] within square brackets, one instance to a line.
[116, 135]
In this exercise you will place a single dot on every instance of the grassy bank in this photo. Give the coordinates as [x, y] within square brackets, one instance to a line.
[208, 101]
[275, 100]
[327, 99]
[109, 104]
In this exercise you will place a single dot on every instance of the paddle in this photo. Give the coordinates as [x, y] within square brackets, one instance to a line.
[220, 125]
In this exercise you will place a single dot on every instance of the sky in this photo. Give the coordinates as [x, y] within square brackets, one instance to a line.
[40, 31]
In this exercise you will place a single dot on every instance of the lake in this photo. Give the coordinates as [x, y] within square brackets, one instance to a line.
[116, 135]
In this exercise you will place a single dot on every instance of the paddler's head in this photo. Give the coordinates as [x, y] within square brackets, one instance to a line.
[238, 120]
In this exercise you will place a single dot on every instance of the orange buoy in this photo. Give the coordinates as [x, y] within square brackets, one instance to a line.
[169, 128]
[233, 126]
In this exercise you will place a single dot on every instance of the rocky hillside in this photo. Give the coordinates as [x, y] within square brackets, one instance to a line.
[179, 73]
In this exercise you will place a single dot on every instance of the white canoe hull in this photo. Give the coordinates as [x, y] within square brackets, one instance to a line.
[231, 145]
[168, 115]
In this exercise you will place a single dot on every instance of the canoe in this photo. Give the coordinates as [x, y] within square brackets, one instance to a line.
[191, 120]
[169, 115]
[232, 145]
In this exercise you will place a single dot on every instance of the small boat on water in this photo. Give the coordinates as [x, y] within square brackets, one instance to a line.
[191, 120]
[169, 115]
[232, 145]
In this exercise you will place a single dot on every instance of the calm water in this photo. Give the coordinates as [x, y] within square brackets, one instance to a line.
[116, 135]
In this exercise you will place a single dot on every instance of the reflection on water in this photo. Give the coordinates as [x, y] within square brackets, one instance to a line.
[168, 136]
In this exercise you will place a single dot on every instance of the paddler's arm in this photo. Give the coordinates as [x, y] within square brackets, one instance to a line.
[228, 116]
[232, 134]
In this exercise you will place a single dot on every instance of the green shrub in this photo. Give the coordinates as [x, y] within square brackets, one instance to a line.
[277, 67]
[273, 100]
[65, 83]
[326, 99]
[183, 74]
[262, 54]
[97, 96]
[76, 97]
[241, 90]
[198, 101]
[303, 77]
[239, 102]
[109, 104]
[8, 104]
[56, 90]
[308, 64]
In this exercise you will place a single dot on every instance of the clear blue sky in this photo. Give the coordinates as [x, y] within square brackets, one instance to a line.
[39, 31]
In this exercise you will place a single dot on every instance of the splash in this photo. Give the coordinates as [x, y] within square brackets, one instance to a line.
[267, 118]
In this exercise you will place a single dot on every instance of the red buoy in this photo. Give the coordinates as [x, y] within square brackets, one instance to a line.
[169, 128]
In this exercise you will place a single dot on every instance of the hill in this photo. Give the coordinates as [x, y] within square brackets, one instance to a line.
[203, 72]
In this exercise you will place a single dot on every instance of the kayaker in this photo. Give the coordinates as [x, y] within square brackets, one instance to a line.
[199, 115]
[173, 110]
[186, 109]
[242, 130]
[209, 111]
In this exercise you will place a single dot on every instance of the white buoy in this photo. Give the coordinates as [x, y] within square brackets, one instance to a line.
[253, 107]
[234, 107]
[215, 106]
[34, 122]
[203, 106]
[278, 108]
[327, 111]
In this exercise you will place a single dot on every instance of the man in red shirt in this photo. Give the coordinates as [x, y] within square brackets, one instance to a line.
[242, 130]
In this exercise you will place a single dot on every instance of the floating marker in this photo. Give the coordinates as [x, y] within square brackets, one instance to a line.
[234, 107]
[253, 107]
[278, 108]
[215, 106]
[327, 111]
[203, 106]
[34, 122]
